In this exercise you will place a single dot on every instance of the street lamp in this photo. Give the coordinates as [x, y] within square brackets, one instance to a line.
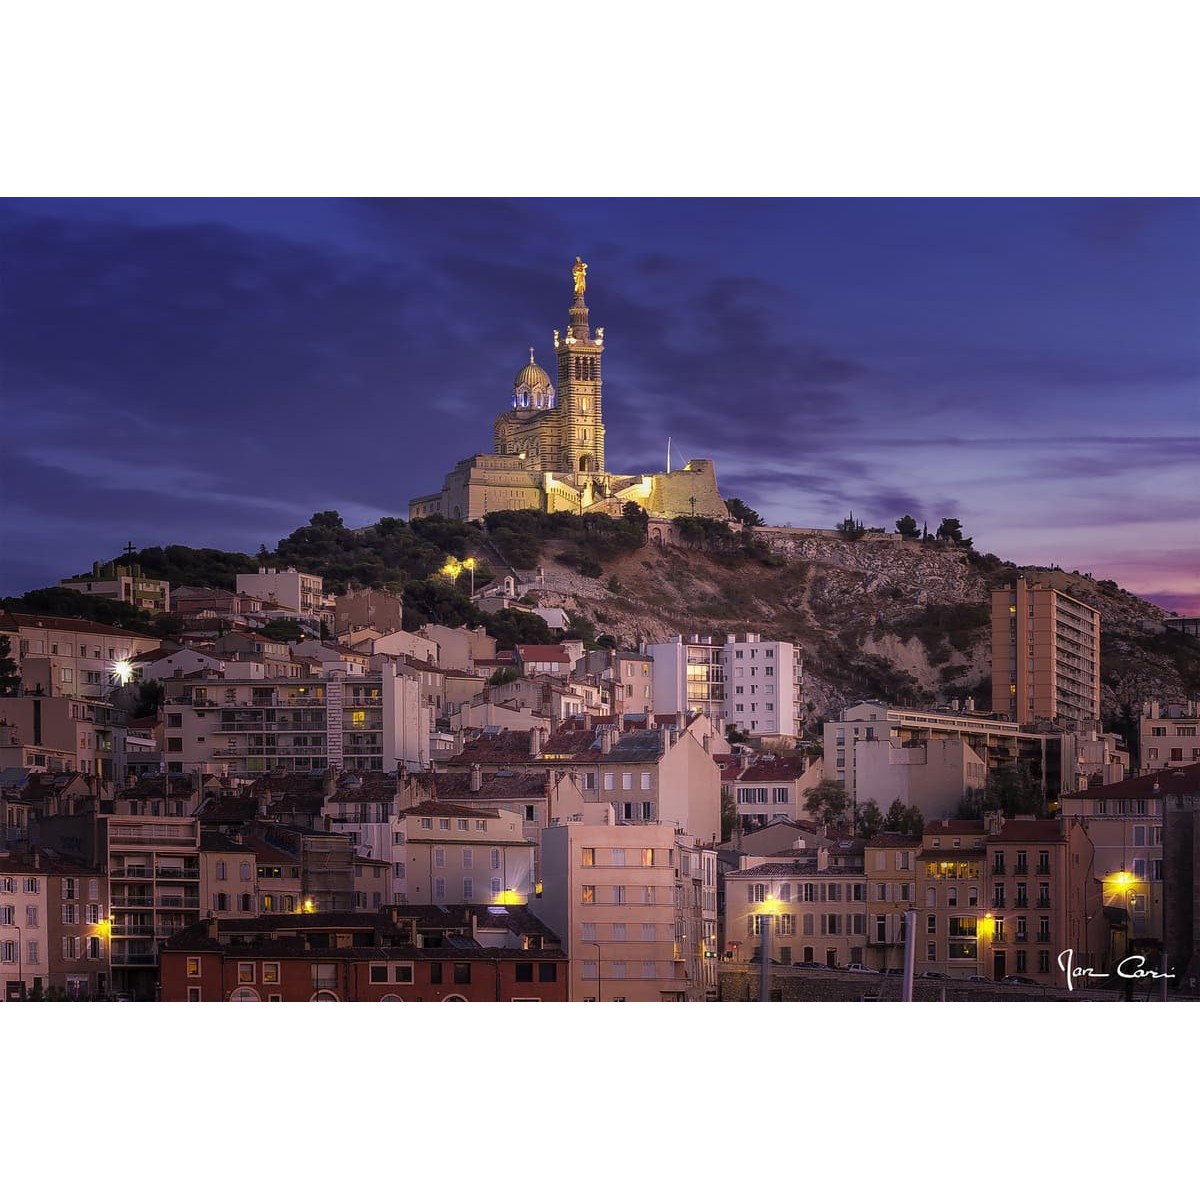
[985, 929]
[470, 564]
[766, 913]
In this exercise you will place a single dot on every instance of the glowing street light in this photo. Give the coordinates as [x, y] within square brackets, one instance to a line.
[451, 568]
[766, 913]
[985, 931]
[122, 671]
[470, 564]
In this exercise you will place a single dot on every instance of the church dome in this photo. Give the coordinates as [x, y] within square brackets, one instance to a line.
[531, 377]
[532, 388]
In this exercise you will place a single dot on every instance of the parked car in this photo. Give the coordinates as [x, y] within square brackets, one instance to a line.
[811, 966]
[933, 975]
[1023, 980]
[978, 979]
[892, 971]
[861, 969]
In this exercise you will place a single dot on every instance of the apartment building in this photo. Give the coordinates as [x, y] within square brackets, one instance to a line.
[1045, 656]
[24, 928]
[455, 854]
[127, 584]
[773, 787]
[742, 681]
[1124, 821]
[468, 953]
[1180, 789]
[233, 726]
[1168, 735]
[881, 751]
[648, 775]
[609, 893]
[952, 898]
[153, 868]
[1041, 898]
[292, 589]
[228, 873]
[817, 912]
[65, 657]
[891, 864]
[688, 675]
[764, 684]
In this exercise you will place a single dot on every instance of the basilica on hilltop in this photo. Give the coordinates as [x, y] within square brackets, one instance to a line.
[549, 446]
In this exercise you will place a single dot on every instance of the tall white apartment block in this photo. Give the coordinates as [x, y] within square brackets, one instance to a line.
[753, 684]
[293, 589]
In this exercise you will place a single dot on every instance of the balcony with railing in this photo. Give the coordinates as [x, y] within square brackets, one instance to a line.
[129, 930]
[1021, 902]
[139, 959]
[1043, 902]
[177, 872]
[179, 902]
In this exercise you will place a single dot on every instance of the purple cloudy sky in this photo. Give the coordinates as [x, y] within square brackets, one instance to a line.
[213, 372]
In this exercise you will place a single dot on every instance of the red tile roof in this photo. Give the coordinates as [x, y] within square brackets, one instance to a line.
[1180, 780]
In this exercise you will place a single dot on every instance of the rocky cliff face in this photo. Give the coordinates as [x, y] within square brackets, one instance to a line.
[877, 617]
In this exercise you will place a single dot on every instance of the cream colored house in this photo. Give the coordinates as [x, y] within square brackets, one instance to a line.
[609, 891]
[459, 854]
[818, 913]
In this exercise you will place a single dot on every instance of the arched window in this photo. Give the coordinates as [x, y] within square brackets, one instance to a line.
[324, 997]
[931, 897]
[462, 998]
[245, 994]
[392, 996]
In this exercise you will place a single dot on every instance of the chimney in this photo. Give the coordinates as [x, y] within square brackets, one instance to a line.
[707, 743]
[535, 741]
[476, 782]
[649, 719]
[264, 802]
[607, 737]
[969, 706]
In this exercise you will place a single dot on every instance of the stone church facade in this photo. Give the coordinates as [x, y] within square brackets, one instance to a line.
[549, 446]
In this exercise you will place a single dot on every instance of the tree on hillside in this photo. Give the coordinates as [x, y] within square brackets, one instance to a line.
[728, 812]
[741, 511]
[429, 601]
[284, 629]
[10, 677]
[868, 820]
[1014, 790]
[150, 698]
[510, 627]
[828, 803]
[950, 530]
[904, 818]
[66, 602]
[907, 527]
[851, 529]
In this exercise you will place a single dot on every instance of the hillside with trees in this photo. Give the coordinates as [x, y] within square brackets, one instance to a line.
[901, 616]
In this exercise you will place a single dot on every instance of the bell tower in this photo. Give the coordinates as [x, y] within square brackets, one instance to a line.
[579, 388]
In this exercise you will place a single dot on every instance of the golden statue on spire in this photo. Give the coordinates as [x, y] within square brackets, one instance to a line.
[579, 270]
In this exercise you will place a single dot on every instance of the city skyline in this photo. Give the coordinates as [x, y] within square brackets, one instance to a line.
[212, 372]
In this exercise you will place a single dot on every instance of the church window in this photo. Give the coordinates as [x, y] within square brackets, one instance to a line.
[583, 404]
